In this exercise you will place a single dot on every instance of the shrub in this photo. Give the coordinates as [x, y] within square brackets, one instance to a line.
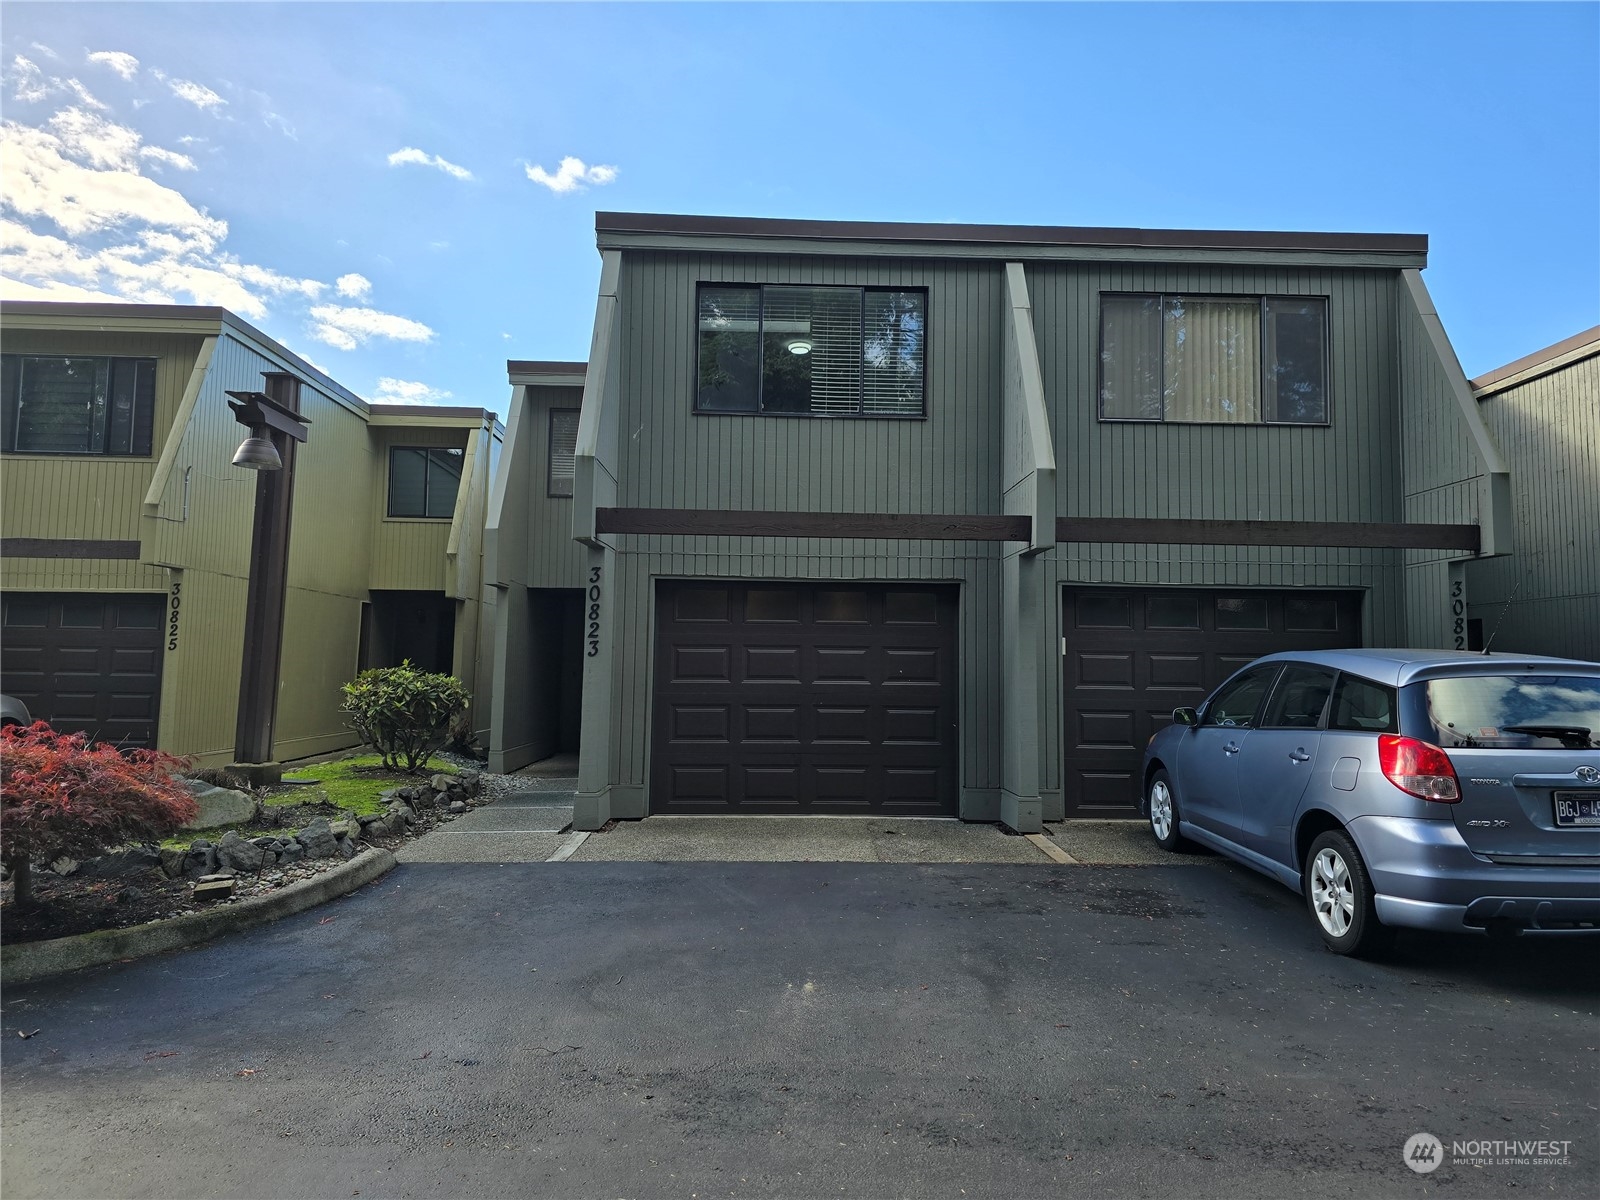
[64, 796]
[403, 713]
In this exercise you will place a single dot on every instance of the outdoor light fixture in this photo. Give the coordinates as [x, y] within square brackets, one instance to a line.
[797, 345]
[257, 453]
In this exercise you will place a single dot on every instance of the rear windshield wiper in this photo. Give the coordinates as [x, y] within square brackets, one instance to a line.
[1571, 737]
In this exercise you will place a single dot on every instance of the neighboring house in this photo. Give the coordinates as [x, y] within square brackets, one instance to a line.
[127, 533]
[1544, 412]
[945, 519]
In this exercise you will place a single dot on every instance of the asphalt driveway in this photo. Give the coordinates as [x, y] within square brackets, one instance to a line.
[799, 1029]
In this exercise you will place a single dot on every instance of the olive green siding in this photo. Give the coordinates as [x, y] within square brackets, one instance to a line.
[979, 452]
[1545, 598]
[191, 513]
[554, 559]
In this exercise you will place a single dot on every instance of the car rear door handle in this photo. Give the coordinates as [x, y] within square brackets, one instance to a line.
[1299, 756]
[1231, 748]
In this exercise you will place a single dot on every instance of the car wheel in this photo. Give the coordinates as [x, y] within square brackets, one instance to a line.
[1339, 894]
[1162, 802]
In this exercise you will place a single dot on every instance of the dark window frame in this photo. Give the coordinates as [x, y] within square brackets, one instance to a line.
[862, 290]
[1275, 667]
[428, 452]
[1261, 299]
[550, 457]
[140, 416]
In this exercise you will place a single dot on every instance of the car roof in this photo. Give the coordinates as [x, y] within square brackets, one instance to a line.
[1399, 667]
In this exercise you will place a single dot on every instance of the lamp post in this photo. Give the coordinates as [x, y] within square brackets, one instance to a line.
[276, 428]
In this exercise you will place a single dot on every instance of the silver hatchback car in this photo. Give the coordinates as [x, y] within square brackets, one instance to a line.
[1428, 789]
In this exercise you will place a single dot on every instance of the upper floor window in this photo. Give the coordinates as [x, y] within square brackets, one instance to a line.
[563, 450]
[424, 480]
[1215, 359]
[85, 404]
[811, 351]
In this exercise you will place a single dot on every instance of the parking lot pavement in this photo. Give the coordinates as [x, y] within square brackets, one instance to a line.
[1119, 844]
[805, 839]
[800, 1030]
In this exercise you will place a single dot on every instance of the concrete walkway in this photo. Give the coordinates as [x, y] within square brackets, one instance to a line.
[522, 827]
[805, 839]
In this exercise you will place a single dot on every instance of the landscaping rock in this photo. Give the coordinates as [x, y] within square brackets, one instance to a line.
[124, 862]
[172, 862]
[219, 806]
[65, 865]
[458, 806]
[233, 851]
[423, 798]
[441, 783]
[471, 782]
[318, 839]
[290, 852]
[213, 889]
[406, 814]
[201, 860]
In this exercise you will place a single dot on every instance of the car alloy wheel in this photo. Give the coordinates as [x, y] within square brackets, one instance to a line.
[1161, 809]
[1331, 896]
[1340, 895]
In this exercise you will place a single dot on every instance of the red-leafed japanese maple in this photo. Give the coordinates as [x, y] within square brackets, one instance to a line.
[61, 795]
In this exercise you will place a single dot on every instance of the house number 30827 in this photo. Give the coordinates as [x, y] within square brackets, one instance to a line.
[593, 635]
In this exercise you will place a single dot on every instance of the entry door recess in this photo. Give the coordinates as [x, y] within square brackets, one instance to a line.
[805, 698]
[1132, 656]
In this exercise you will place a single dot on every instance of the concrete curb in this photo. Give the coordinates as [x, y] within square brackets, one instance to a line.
[26, 962]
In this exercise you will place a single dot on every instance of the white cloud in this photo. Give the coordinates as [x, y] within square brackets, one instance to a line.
[571, 175]
[27, 81]
[404, 391]
[356, 287]
[94, 139]
[44, 50]
[346, 328]
[196, 94]
[421, 158]
[123, 64]
[169, 158]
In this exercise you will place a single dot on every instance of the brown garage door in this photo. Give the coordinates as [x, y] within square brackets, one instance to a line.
[1134, 656]
[86, 662]
[821, 698]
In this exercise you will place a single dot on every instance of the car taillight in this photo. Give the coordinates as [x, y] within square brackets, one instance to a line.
[1419, 768]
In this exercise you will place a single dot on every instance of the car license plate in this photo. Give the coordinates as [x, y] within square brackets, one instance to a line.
[1578, 808]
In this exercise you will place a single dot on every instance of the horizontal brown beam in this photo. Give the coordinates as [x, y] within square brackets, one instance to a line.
[1343, 534]
[715, 522]
[66, 548]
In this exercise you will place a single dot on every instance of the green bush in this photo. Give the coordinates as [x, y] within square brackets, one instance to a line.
[403, 713]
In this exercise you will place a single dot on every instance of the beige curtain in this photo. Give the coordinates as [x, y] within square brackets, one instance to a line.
[1211, 353]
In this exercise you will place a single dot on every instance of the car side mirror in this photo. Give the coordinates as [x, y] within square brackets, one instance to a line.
[1186, 716]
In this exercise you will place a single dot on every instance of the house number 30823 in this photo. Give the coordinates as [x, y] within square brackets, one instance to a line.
[172, 616]
[593, 635]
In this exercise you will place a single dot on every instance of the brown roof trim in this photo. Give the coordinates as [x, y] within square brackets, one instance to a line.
[524, 366]
[1566, 346]
[1041, 235]
[430, 410]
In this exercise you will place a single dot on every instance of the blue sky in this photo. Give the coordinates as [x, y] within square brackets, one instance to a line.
[381, 186]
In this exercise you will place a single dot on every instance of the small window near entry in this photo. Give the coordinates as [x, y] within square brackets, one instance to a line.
[77, 405]
[1231, 360]
[1298, 700]
[810, 351]
[1361, 706]
[563, 451]
[424, 480]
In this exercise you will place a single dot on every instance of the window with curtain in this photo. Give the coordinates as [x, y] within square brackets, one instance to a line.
[563, 451]
[82, 404]
[424, 480]
[810, 351]
[1214, 359]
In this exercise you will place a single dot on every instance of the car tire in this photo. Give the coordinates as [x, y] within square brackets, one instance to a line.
[1161, 803]
[1339, 894]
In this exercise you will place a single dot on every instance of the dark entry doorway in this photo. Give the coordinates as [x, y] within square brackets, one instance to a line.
[419, 627]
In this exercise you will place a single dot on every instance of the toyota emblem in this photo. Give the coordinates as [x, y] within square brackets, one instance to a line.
[1588, 774]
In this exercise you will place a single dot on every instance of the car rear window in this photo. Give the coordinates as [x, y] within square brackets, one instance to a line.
[1515, 712]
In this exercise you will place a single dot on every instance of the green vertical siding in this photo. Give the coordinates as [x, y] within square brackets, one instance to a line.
[554, 559]
[1549, 430]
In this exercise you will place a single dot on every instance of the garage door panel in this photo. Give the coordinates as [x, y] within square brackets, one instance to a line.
[701, 663]
[134, 662]
[844, 698]
[1133, 655]
[699, 722]
[131, 706]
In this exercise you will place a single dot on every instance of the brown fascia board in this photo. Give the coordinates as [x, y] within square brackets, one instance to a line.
[527, 366]
[178, 312]
[444, 412]
[1010, 235]
[1538, 358]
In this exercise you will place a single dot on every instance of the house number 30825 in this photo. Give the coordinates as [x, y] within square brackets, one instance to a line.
[593, 635]
[172, 616]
